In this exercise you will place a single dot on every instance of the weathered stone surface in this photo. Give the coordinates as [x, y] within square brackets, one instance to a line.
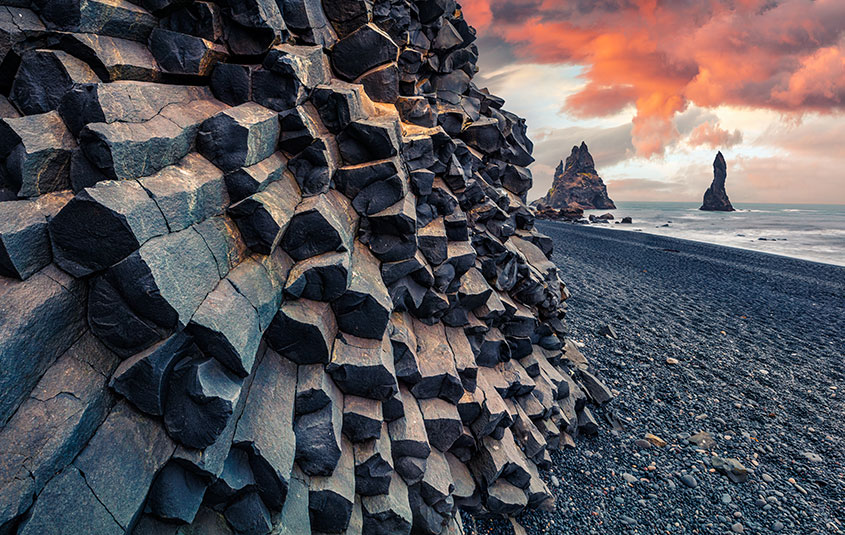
[318, 443]
[315, 389]
[363, 367]
[388, 513]
[116, 18]
[121, 214]
[331, 499]
[176, 494]
[360, 51]
[35, 153]
[239, 137]
[167, 279]
[248, 514]
[321, 224]
[225, 326]
[364, 309]
[374, 464]
[44, 77]
[323, 277]
[362, 418]
[188, 192]
[125, 150]
[437, 365]
[716, 198]
[243, 182]
[265, 429]
[179, 53]
[442, 422]
[41, 318]
[408, 438]
[505, 499]
[70, 502]
[264, 217]
[303, 331]
[53, 424]
[121, 460]
[260, 281]
[112, 58]
[200, 400]
[142, 378]
[24, 240]
[577, 183]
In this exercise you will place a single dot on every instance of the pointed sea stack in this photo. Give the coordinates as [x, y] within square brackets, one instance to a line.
[577, 183]
[716, 198]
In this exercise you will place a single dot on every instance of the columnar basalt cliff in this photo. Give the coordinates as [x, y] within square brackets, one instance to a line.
[576, 185]
[267, 266]
[716, 198]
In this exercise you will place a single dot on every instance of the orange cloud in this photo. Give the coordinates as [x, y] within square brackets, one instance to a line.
[712, 135]
[659, 57]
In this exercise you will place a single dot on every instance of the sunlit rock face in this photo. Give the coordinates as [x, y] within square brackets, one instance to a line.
[577, 185]
[267, 266]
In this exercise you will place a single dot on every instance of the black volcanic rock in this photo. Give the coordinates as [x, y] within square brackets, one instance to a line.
[301, 294]
[577, 183]
[716, 198]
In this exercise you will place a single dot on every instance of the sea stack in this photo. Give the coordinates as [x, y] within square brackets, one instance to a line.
[577, 183]
[716, 198]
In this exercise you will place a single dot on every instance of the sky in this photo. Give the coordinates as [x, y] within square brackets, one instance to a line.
[656, 87]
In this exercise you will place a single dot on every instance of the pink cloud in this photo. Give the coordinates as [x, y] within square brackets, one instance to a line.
[659, 57]
[710, 134]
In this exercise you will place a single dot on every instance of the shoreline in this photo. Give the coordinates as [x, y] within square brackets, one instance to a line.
[612, 227]
[744, 346]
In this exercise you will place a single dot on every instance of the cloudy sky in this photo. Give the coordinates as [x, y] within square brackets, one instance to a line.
[656, 87]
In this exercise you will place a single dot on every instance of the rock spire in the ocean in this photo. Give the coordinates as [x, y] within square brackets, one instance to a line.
[577, 184]
[716, 198]
[267, 266]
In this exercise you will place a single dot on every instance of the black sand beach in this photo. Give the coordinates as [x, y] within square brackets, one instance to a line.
[759, 343]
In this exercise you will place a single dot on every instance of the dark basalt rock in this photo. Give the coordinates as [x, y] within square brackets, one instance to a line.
[716, 198]
[267, 267]
[576, 184]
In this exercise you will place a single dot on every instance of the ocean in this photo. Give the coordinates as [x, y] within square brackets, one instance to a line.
[813, 232]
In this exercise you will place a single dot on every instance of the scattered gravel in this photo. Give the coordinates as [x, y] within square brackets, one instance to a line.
[759, 343]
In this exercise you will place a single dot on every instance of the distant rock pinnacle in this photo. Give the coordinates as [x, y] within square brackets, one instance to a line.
[716, 198]
[577, 183]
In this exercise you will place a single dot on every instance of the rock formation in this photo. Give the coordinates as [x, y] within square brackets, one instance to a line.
[576, 185]
[716, 198]
[267, 265]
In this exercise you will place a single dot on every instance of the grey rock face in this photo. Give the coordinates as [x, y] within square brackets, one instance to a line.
[716, 198]
[577, 185]
[268, 267]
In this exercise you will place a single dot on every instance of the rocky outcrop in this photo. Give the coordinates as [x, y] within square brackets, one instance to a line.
[716, 198]
[576, 184]
[267, 266]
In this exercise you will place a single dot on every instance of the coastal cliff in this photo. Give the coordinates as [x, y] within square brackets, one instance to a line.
[716, 198]
[577, 185]
[267, 266]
